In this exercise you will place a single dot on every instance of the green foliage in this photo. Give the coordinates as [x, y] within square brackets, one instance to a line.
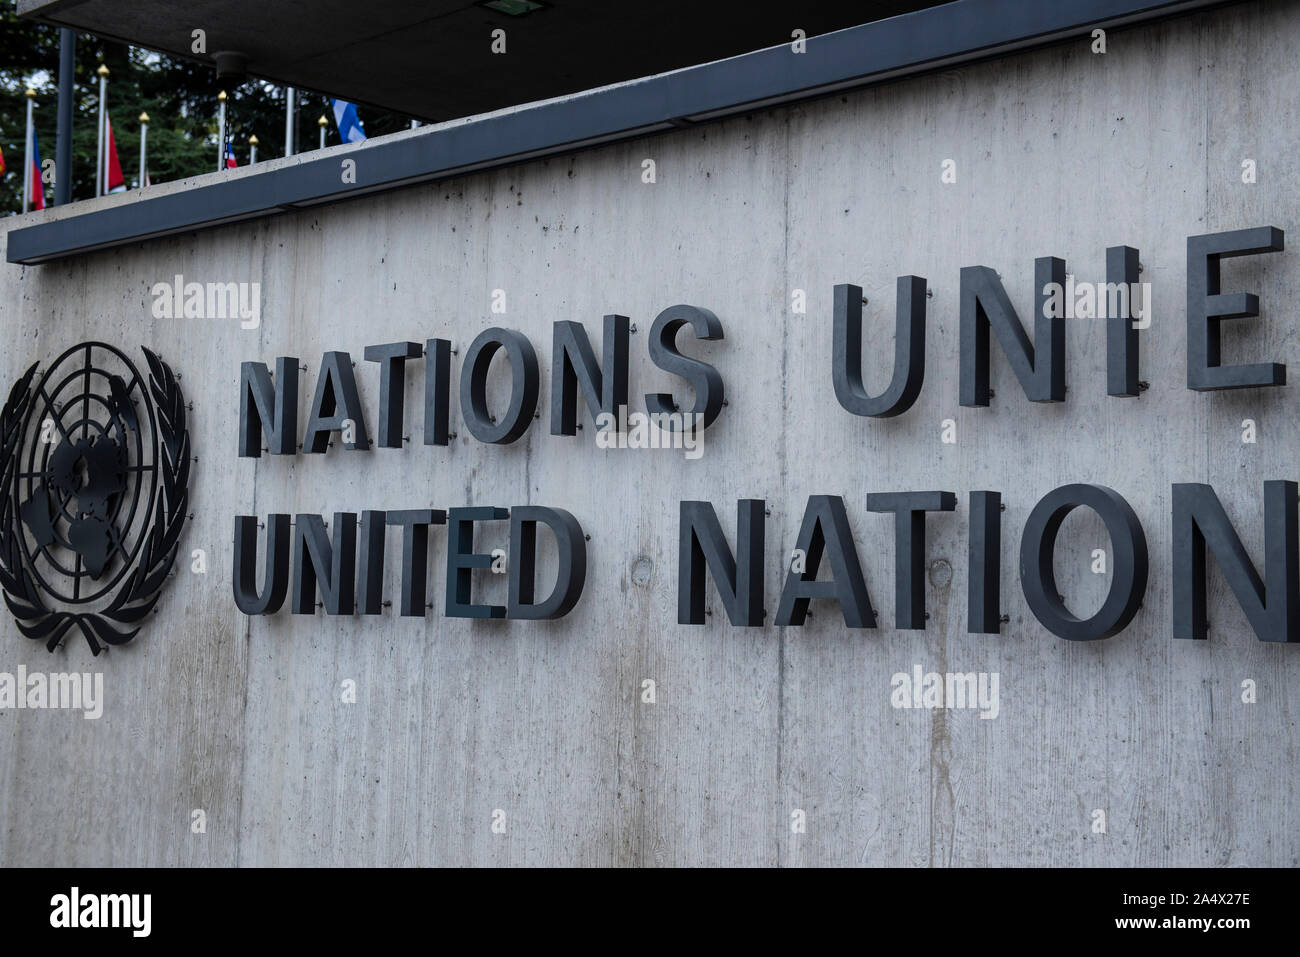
[180, 97]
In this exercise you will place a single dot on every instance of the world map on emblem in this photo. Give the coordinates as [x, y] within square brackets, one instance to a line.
[96, 467]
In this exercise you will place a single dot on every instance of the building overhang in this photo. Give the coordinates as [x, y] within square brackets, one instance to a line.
[924, 40]
[436, 59]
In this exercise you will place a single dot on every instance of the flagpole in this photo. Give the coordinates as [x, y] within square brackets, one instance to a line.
[100, 165]
[221, 134]
[322, 123]
[252, 149]
[144, 134]
[288, 121]
[30, 153]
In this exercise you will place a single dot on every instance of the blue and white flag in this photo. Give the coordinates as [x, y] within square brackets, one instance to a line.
[345, 118]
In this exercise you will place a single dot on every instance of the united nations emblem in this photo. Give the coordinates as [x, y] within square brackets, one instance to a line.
[95, 487]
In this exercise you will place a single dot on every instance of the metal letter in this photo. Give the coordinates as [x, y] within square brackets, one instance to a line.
[437, 392]
[392, 387]
[278, 415]
[572, 550]
[909, 351]
[984, 559]
[1040, 366]
[573, 364]
[415, 524]
[524, 386]
[1200, 521]
[336, 402]
[318, 562]
[1038, 544]
[461, 559]
[702, 545]
[825, 522]
[1207, 307]
[1121, 337]
[909, 510]
[275, 572]
[370, 563]
[705, 379]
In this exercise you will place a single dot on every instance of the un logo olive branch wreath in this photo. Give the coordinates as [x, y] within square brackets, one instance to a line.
[151, 559]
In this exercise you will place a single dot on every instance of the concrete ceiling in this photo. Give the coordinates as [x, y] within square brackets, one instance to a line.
[432, 59]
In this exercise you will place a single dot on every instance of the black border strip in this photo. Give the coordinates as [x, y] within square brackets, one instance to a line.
[912, 43]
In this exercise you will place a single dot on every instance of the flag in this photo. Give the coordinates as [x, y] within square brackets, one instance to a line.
[116, 182]
[2, 162]
[230, 157]
[345, 118]
[38, 188]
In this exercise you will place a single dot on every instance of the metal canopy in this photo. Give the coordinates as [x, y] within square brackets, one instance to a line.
[924, 40]
[433, 59]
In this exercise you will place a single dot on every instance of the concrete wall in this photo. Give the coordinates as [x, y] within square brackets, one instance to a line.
[1058, 152]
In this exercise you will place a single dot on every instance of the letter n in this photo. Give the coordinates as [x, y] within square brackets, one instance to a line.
[264, 405]
[1273, 609]
[702, 544]
[331, 566]
[573, 364]
[1040, 366]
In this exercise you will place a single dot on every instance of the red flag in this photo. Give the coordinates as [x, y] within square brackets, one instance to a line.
[115, 181]
[2, 162]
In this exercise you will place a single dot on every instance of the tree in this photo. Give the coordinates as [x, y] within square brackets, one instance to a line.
[180, 97]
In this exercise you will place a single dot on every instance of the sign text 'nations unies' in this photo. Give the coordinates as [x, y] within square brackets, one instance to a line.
[340, 568]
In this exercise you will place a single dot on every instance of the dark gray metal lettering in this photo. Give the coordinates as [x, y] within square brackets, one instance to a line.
[1129, 568]
[984, 561]
[1207, 307]
[704, 378]
[415, 524]
[268, 406]
[525, 383]
[1040, 366]
[909, 351]
[437, 392]
[1121, 338]
[572, 551]
[318, 562]
[1199, 521]
[909, 510]
[392, 358]
[275, 570]
[702, 546]
[370, 563]
[336, 403]
[461, 560]
[825, 531]
[573, 364]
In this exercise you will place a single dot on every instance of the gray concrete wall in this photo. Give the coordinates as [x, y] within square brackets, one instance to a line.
[1058, 152]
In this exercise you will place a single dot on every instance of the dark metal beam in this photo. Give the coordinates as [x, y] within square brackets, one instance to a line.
[913, 43]
[63, 144]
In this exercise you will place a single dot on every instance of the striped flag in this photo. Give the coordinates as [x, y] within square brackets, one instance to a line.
[345, 118]
[38, 188]
[230, 157]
